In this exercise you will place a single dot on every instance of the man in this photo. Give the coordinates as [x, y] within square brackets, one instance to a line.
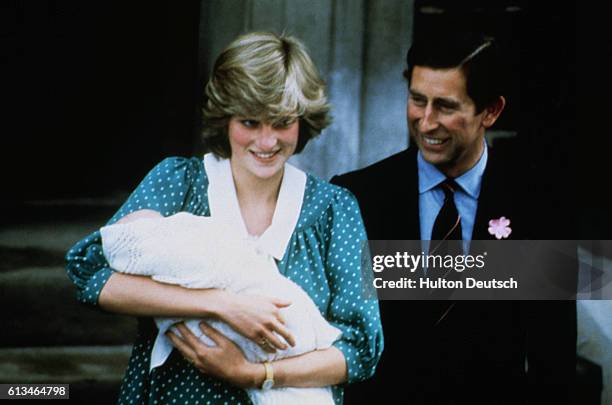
[463, 352]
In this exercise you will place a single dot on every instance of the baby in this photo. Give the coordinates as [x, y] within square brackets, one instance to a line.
[199, 252]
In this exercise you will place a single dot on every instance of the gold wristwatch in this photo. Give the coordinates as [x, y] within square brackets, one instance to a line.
[268, 383]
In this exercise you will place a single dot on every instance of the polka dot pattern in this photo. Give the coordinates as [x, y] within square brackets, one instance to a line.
[323, 257]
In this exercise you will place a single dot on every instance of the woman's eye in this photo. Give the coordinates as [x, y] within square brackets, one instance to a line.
[250, 123]
[283, 123]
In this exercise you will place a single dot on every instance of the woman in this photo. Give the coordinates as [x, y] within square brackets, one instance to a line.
[265, 101]
[204, 252]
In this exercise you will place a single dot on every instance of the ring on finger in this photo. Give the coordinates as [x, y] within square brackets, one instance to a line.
[264, 342]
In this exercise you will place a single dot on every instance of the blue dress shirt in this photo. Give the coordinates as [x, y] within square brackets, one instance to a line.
[431, 197]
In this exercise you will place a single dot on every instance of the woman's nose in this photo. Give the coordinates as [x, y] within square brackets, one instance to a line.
[267, 138]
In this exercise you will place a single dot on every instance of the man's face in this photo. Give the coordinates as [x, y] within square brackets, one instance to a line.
[443, 121]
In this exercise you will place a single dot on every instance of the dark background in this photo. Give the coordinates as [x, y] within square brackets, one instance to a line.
[104, 90]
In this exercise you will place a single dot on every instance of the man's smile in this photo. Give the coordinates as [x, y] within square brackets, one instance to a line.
[433, 141]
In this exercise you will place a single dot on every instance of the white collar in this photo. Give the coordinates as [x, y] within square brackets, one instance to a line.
[224, 206]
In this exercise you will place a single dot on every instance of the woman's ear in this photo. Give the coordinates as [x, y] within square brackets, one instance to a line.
[492, 112]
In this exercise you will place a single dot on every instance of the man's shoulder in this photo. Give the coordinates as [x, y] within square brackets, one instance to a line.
[377, 173]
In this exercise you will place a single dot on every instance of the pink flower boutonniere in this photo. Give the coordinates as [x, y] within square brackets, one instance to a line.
[500, 228]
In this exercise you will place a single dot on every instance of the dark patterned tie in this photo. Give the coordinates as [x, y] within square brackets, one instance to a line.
[446, 240]
[448, 222]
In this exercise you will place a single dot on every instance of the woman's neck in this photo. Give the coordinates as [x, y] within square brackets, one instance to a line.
[257, 198]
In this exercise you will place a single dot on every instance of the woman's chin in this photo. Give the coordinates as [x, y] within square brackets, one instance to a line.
[266, 172]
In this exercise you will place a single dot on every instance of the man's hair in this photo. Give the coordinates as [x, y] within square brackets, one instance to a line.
[477, 56]
[268, 77]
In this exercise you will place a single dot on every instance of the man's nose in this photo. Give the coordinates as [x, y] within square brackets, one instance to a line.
[268, 138]
[429, 120]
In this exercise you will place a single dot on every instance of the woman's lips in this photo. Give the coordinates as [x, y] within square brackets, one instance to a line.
[265, 157]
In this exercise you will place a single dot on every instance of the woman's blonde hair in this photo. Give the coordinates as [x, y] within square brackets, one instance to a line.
[268, 77]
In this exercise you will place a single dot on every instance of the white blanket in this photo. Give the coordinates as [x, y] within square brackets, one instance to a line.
[199, 252]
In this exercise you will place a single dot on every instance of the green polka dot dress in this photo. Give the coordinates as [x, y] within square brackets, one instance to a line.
[323, 257]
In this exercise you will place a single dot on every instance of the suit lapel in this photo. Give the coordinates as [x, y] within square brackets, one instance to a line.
[498, 197]
[487, 202]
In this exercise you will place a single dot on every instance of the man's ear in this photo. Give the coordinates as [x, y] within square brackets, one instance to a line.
[492, 112]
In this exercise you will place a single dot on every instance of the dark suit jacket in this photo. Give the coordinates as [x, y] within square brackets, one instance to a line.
[478, 353]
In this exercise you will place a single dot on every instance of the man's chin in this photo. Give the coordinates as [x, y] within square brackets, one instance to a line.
[437, 159]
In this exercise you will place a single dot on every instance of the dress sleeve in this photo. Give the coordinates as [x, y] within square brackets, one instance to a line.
[167, 188]
[355, 315]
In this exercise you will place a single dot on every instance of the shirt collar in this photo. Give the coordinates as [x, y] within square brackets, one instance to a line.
[224, 205]
[430, 176]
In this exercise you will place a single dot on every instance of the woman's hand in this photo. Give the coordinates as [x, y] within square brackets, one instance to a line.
[257, 318]
[224, 361]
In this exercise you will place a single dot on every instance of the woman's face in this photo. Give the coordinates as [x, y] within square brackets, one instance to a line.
[261, 149]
